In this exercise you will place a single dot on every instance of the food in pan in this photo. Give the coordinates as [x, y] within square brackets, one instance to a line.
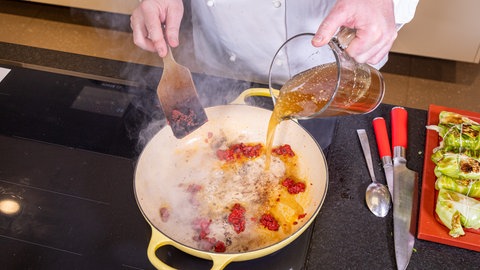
[238, 205]
[457, 170]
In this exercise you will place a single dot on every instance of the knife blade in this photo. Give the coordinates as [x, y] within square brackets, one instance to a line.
[404, 191]
[384, 150]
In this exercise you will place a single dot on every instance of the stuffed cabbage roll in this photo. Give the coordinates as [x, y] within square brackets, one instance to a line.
[458, 132]
[457, 211]
[458, 166]
[468, 187]
[439, 153]
[451, 118]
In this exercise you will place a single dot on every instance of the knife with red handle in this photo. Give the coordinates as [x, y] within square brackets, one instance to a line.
[384, 150]
[404, 191]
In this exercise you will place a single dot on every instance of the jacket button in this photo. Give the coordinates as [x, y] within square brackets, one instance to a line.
[233, 57]
[210, 3]
[277, 3]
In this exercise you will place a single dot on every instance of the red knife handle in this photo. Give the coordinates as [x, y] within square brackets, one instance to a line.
[381, 136]
[399, 127]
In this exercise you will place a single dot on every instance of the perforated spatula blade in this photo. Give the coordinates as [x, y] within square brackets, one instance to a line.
[179, 99]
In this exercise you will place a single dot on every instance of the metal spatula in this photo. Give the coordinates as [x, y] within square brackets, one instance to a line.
[179, 99]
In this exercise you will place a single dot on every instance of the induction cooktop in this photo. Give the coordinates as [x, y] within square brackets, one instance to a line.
[68, 147]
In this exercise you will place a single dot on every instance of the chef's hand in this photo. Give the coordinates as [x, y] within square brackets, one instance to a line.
[375, 24]
[147, 20]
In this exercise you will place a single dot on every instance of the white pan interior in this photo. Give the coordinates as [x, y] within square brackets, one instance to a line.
[167, 163]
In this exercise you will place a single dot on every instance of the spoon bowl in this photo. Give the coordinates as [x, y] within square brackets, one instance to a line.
[377, 195]
[377, 198]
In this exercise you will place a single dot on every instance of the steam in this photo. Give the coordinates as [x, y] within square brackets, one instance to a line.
[213, 91]
[147, 118]
[146, 134]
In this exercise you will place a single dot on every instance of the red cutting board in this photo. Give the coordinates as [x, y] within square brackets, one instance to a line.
[428, 227]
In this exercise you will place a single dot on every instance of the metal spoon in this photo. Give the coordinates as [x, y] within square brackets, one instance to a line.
[377, 195]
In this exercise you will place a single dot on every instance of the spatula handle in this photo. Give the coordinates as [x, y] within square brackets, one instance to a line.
[168, 59]
[399, 127]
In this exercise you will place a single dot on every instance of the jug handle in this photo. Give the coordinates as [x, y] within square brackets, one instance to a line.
[343, 37]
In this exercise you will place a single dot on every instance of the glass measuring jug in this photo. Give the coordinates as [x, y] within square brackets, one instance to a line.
[324, 81]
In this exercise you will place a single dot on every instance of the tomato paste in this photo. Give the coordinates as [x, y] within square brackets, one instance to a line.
[202, 227]
[284, 150]
[239, 151]
[269, 222]
[164, 214]
[219, 247]
[193, 188]
[292, 186]
[183, 119]
[302, 216]
[237, 218]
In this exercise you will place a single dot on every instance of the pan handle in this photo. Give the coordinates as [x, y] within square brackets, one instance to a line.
[254, 92]
[156, 241]
[220, 261]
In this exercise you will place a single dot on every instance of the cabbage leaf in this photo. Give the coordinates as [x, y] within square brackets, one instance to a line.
[458, 166]
[458, 133]
[468, 187]
[457, 211]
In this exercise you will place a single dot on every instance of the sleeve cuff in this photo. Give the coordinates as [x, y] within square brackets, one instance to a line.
[404, 11]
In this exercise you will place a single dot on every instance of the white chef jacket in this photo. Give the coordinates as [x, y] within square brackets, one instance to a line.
[239, 38]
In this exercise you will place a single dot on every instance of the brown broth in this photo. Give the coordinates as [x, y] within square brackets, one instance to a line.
[301, 97]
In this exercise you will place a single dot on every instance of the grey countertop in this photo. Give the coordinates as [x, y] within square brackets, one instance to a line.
[346, 234]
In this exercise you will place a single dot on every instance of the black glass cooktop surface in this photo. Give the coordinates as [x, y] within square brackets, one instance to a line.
[68, 148]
